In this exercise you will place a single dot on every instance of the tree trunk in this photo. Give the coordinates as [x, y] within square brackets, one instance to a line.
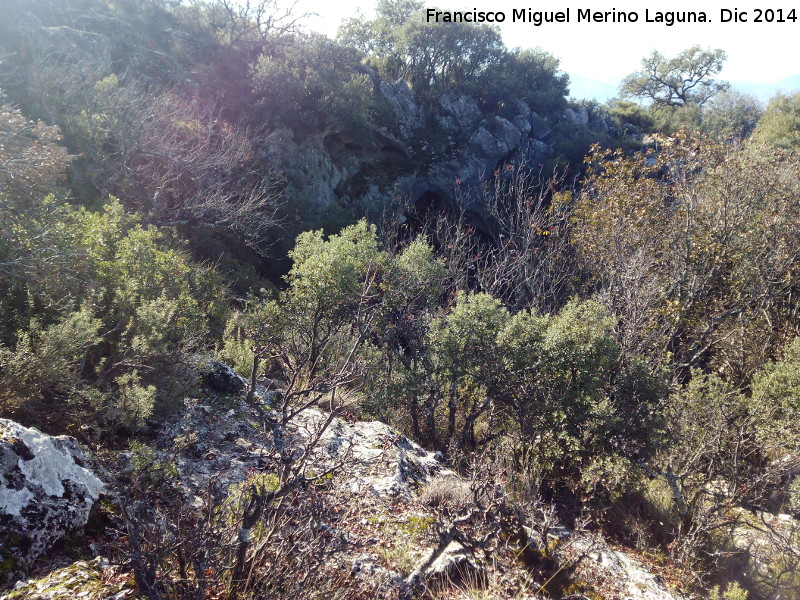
[253, 376]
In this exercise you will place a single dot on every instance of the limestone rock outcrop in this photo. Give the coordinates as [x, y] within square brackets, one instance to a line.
[439, 153]
[46, 492]
[408, 114]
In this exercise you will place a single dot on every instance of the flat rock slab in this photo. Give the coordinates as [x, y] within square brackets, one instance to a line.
[625, 577]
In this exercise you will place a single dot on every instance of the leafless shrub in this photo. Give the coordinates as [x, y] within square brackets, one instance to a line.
[532, 262]
[251, 22]
[198, 169]
[174, 158]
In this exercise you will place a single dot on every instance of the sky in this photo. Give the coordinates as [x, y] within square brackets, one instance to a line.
[606, 51]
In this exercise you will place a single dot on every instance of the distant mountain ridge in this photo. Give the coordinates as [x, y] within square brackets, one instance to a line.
[582, 87]
[765, 91]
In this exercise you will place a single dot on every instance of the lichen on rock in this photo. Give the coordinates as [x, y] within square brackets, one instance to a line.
[45, 492]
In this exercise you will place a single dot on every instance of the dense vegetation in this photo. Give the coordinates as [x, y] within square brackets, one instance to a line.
[624, 343]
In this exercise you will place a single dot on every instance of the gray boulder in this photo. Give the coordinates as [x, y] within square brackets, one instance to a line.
[463, 171]
[522, 118]
[539, 127]
[46, 491]
[535, 152]
[523, 123]
[618, 574]
[97, 579]
[496, 139]
[521, 108]
[457, 113]
[456, 562]
[579, 116]
[225, 380]
[600, 125]
[384, 462]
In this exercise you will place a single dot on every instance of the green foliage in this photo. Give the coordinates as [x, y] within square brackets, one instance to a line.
[690, 254]
[688, 78]
[411, 288]
[314, 332]
[731, 115]
[676, 238]
[794, 495]
[575, 408]
[582, 350]
[780, 123]
[312, 83]
[672, 119]
[435, 58]
[732, 591]
[463, 342]
[329, 275]
[556, 385]
[147, 468]
[135, 402]
[134, 136]
[152, 302]
[71, 273]
[48, 361]
[241, 493]
[728, 115]
[414, 279]
[775, 402]
[378, 36]
[160, 301]
[553, 385]
[626, 113]
[447, 358]
[236, 350]
[447, 56]
[327, 285]
[703, 417]
[34, 246]
[682, 93]
[533, 76]
[704, 461]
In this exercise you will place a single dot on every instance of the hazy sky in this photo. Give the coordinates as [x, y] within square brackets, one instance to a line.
[757, 52]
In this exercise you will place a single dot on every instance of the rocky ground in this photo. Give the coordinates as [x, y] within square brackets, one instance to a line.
[398, 520]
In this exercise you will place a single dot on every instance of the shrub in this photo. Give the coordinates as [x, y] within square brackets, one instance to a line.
[677, 243]
[576, 409]
[134, 401]
[775, 405]
[450, 495]
[70, 274]
[236, 350]
[47, 363]
[780, 123]
[311, 82]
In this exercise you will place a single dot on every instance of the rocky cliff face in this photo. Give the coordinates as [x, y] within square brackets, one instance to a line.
[413, 153]
[440, 154]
